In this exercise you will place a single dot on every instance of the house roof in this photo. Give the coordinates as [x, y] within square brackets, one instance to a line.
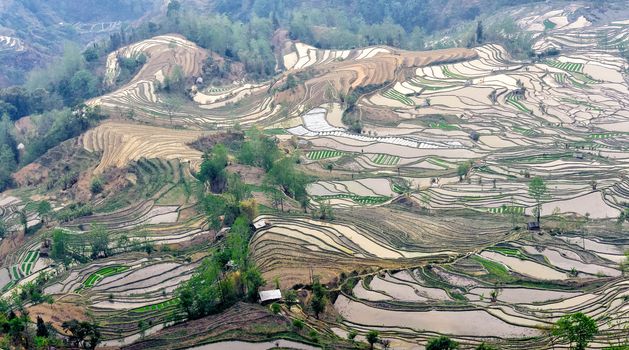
[273, 294]
[259, 224]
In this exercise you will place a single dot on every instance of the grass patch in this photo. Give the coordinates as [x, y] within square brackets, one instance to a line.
[549, 25]
[508, 252]
[495, 271]
[156, 307]
[443, 126]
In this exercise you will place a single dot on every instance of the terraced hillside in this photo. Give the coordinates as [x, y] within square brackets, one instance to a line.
[405, 182]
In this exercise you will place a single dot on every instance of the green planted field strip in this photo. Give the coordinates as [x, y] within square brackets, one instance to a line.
[449, 74]
[506, 210]
[397, 188]
[386, 159]
[567, 66]
[324, 154]
[560, 77]
[548, 24]
[443, 126]
[439, 162]
[608, 135]
[512, 100]
[525, 132]
[496, 270]
[157, 307]
[580, 103]
[398, 96]
[16, 274]
[29, 262]
[367, 200]
[428, 84]
[508, 252]
[102, 273]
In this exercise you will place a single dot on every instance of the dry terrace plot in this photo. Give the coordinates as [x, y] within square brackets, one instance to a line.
[121, 143]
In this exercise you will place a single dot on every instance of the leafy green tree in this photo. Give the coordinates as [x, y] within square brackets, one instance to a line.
[442, 343]
[484, 346]
[462, 170]
[99, 241]
[276, 308]
[319, 297]
[60, 245]
[82, 334]
[538, 191]
[4, 228]
[576, 329]
[212, 171]
[372, 338]
[253, 281]
[96, 186]
[43, 210]
[42, 329]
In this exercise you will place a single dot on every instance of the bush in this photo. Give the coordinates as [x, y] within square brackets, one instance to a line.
[298, 324]
[474, 136]
[275, 307]
[96, 186]
[442, 343]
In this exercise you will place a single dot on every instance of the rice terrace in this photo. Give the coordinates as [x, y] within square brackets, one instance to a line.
[215, 174]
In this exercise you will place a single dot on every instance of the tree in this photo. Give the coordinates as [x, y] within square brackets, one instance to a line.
[99, 241]
[23, 219]
[60, 241]
[462, 170]
[96, 186]
[4, 228]
[577, 329]
[479, 32]
[538, 190]
[42, 329]
[82, 333]
[372, 337]
[483, 346]
[43, 210]
[442, 343]
[319, 297]
[172, 104]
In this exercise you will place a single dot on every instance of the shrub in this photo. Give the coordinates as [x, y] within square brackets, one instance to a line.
[275, 307]
[96, 186]
[298, 324]
[442, 343]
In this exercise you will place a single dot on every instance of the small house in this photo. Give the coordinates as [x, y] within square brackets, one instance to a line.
[533, 226]
[268, 296]
[260, 224]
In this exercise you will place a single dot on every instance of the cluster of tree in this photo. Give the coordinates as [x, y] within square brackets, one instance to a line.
[51, 128]
[129, 66]
[68, 79]
[8, 153]
[226, 277]
[282, 174]
[67, 247]
[63, 125]
[319, 297]
[16, 328]
[355, 23]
